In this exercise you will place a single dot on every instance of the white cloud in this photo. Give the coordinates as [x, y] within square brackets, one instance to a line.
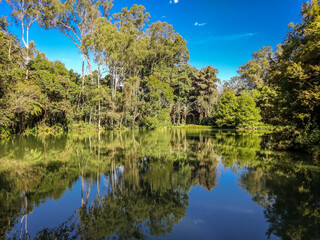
[238, 36]
[198, 221]
[231, 37]
[174, 1]
[199, 24]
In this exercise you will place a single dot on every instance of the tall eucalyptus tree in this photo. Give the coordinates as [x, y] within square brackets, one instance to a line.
[100, 43]
[130, 52]
[75, 19]
[26, 13]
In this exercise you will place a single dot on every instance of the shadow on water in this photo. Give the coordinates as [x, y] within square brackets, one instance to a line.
[136, 184]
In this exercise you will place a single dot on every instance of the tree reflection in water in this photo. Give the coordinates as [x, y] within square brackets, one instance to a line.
[136, 184]
[149, 175]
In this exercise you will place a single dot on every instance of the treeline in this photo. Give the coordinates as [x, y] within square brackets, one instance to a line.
[136, 74]
[140, 76]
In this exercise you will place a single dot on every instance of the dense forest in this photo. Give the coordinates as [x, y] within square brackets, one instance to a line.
[136, 74]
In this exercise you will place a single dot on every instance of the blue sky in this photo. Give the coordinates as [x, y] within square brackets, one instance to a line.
[221, 33]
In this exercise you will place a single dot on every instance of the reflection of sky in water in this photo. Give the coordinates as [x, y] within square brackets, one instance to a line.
[225, 212]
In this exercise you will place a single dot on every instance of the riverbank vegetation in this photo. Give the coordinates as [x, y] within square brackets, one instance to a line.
[136, 74]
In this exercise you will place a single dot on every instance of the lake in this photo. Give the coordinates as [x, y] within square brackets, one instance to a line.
[163, 184]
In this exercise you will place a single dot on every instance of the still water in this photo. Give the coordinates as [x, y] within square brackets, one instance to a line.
[165, 184]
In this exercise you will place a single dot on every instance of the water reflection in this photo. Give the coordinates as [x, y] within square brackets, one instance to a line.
[289, 191]
[137, 184]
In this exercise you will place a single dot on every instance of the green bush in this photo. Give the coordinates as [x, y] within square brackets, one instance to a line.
[162, 120]
[238, 111]
[311, 142]
[247, 114]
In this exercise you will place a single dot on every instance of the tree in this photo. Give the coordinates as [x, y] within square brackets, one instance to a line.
[248, 115]
[142, 71]
[166, 48]
[130, 49]
[254, 73]
[26, 13]
[26, 103]
[54, 80]
[100, 43]
[298, 70]
[159, 97]
[11, 60]
[227, 109]
[204, 92]
[75, 19]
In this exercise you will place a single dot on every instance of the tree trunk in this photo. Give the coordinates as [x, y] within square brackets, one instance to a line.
[82, 83]
[27, 47]
[82, 77]
[99, 106]
[89, 64]
[90, 117]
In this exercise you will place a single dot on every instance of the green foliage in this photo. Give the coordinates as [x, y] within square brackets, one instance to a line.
[10, 72]
[238, 111]
[26, 103]
[296, 78]
[299, 70]
[148, 72]
[148, 82]
[226, 109]
[266, 100]
[162, 119]
[248, 115]
[254, 74]
[285, 83]
[204, 92]
[312, 141]
[159, 93]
